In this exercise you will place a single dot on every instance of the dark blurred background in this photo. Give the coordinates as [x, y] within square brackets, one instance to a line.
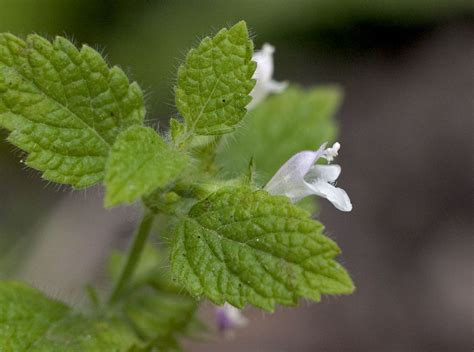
[407, 68]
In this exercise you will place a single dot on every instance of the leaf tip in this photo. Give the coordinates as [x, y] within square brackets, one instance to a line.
[240, 30]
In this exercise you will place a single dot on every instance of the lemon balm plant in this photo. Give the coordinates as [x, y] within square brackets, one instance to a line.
[234, 234]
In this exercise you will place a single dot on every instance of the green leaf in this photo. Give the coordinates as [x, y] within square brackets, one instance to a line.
[215, 82]
[244, 246]
[278, 128]
[157, 307]
[64, 106]
[29, 321]
[140, 162]
[176, 129]
[159, 315]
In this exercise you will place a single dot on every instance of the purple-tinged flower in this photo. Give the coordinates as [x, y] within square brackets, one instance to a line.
[228, 318]
[300, 176]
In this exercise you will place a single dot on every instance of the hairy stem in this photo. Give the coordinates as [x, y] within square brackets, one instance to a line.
[133, 256]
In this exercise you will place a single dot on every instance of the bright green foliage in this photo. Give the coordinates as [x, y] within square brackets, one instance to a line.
[64, 106]
[157, 308]
[140, 162]
[81, 122]
[279, 127]
[215, 82]
[29, 321]
[244, 246]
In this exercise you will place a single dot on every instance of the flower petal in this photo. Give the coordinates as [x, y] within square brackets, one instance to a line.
[276, 87]
[263, 75]
[264, 60]
[337, 196]
[295, 192]
[328, 173]
[289, 179]
[228, 317]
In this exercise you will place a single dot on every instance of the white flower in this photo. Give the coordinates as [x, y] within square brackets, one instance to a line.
[228, 318]
[300, 176]
[263, 75]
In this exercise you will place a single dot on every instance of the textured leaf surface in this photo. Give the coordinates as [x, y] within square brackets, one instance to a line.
[244, 246]
[29, 321]
[140, 162]
[279, 127]
[64, 106]
[215, 82]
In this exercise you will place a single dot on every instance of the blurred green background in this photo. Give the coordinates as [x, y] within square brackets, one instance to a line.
[407, 68]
